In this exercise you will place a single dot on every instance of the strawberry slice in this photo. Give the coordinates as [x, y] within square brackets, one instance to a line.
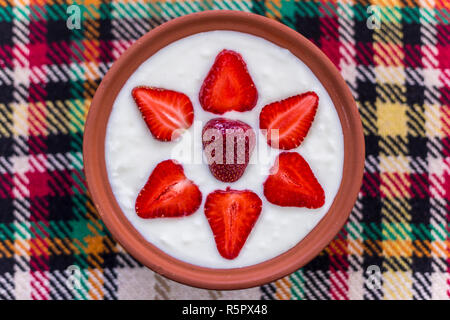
[229, 155]
[228, 85]
[168, 193]
[167, 113]
[292, 118]
[291, 183]
[232, 215]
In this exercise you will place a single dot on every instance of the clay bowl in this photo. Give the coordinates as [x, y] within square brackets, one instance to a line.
[154, 258]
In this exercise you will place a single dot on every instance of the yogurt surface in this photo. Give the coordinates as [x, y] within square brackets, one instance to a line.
[132, 153]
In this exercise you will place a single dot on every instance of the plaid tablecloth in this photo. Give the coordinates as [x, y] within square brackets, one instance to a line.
[395, 56]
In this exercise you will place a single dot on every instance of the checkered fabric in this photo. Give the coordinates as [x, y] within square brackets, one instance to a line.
[394, 55]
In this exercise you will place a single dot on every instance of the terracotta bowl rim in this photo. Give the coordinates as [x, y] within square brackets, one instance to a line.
[154, 258]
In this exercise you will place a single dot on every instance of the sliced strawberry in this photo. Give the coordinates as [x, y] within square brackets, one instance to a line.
[291, 183]
[165, 112]
[228, 85]
[232, 215]
[168, 193]
[292, 118]
[229, 155]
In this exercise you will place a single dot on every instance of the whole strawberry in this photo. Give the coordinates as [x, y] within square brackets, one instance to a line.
[228, 145]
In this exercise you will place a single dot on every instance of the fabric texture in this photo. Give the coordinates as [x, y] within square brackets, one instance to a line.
[395, 57]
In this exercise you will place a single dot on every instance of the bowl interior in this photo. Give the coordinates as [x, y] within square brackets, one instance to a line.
[130, 238]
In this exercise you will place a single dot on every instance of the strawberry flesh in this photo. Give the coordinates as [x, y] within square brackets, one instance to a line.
[292, 183]
[228, 145]
[292, 117]
[167, 113]
[232, 215]
[228, 85]
[168, 193]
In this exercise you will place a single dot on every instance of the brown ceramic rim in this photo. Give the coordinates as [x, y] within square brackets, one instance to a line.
[156, 259]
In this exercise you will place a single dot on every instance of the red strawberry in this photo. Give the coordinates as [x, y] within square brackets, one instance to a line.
[168, 193]
[228, 85]
[232, 215]
[292, 117]
[228, 145]
[291, 183]
[165, 112]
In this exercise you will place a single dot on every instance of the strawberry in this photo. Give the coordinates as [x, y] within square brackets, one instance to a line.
[292, 117]
[228, 145]
[168, 193]
[291, 183]
[167, 113]
[232, 215]
[228, 85]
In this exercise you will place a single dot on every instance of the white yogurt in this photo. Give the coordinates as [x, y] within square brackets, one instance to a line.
[132, 152]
